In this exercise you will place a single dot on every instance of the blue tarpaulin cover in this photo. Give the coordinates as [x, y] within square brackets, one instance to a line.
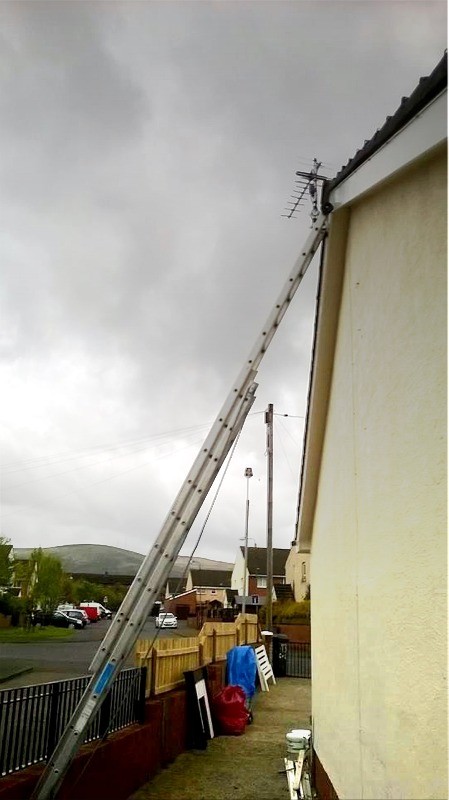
[241, 669]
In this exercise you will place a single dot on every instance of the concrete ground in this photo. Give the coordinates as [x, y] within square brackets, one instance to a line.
[247, 767]
[10, 670]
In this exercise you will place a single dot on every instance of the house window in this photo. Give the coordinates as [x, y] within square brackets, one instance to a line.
[261, 583]
[303, 572]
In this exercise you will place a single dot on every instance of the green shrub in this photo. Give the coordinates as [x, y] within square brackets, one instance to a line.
[11, 606]
[288, 611]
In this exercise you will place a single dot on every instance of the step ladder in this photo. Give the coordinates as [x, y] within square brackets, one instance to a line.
[157, 565]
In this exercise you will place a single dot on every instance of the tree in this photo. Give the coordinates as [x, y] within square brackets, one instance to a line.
[47, 588]
[68, 593]
[80, 589]
[6, 569]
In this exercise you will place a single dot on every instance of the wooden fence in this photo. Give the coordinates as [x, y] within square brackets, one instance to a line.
[167, 659]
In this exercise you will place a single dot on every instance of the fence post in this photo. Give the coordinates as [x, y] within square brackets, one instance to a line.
[214, 646]
[200, 655]
[153, 672]
[53, 717]
[141, 699]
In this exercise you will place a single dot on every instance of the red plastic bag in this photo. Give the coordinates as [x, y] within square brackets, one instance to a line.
[230, 712]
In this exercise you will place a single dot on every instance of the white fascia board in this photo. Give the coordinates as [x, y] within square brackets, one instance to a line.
[421, 135]
[176, 596]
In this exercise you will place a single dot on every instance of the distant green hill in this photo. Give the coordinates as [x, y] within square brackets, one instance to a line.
[98, 559]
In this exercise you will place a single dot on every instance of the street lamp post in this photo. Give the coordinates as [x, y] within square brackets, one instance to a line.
[248, 475]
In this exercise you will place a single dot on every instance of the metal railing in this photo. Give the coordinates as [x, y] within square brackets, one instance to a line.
[299, 662]
[32, 718]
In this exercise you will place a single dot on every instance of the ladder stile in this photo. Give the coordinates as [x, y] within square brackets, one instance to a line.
[152, 569]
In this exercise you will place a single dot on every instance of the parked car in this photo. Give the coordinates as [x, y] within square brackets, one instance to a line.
[61, 620]
[166, 619]
[76, 613]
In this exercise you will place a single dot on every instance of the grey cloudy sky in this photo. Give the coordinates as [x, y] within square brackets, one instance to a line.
[147, 150]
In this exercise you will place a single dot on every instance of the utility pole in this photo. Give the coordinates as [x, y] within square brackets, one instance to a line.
[248, 475]
[269, 606]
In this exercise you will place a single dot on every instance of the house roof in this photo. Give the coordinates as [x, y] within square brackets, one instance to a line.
[427, 90]
[257, 560]
[213, 578]
[177, 585]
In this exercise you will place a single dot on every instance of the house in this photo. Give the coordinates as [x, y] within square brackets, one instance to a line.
[6, 565]
[297, 573]
[231, 594]
[24, 574]
[203, 591]
[373, 503]
[256, 572]
[210, 585]
[184, 605]
[175, 586]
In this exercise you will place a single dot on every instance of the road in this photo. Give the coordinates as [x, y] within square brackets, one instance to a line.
[59, 660]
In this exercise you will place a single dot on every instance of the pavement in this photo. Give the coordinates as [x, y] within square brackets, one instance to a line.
[240, 767]
[12, 669]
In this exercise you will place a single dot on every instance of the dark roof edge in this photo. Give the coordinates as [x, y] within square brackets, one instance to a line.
[427, 90]
[309, 391]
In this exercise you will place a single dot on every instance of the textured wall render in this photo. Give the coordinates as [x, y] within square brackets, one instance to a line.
[379, 553]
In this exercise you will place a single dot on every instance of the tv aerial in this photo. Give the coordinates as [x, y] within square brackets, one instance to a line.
[306, 183]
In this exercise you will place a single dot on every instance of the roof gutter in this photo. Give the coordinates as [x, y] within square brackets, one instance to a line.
[420, 106]
[419, 138]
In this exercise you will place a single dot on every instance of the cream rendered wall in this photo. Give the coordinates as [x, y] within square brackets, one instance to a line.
[294, 572]
[207, 595]
[379, 550]
[238, 572]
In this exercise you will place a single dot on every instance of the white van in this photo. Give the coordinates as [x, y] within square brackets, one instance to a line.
[105, 612]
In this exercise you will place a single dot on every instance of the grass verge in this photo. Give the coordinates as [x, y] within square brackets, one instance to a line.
[33, 636]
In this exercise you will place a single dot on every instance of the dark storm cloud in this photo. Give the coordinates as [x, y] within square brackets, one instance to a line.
[64, 91]
[67, 112]
[147, 151]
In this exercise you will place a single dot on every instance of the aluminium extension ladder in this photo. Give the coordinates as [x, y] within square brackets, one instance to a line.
[157, 565]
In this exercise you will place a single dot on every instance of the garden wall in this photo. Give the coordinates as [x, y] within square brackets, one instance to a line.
[121, 764]
[295, 631]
